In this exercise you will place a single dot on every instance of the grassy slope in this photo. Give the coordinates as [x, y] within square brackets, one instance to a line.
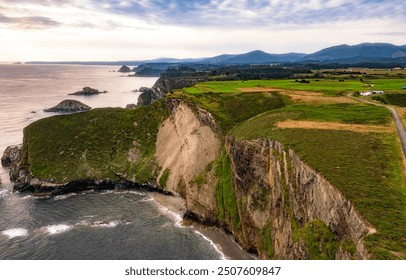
[392, 99]
[96, 143]
[366, 167]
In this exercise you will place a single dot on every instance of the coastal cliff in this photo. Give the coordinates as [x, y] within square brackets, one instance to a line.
[274, 204]
[298, 213]
[163, 86]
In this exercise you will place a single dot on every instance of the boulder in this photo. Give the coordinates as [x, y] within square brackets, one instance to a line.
[69, 106]
[87, 91]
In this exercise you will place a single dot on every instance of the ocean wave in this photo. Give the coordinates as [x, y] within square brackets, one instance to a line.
[105, 224]
[123, 192]
[222, 256]
[64, 196]
[147, 199]
[57, 229]
[15, 232]
[4, 193]
[176, 218]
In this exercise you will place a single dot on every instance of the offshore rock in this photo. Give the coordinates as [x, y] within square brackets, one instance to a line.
[11, 154]
[87, 91]
[69, 106]
[124, 69]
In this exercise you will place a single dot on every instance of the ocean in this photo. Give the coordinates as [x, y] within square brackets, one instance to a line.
[126, 225]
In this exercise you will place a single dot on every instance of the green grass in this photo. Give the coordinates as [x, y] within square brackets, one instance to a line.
[225, 194]
[325, 86]
[319, 239]
[392, 99]
[163, 180]
[94, 144]
[230, 109]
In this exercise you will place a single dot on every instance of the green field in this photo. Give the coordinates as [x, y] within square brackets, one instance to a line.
[325, 86]
[366, 167]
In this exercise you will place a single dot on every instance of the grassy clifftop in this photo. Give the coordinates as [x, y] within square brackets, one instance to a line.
[95, 144]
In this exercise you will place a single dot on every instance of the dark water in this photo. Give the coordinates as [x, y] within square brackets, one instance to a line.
[109, 225]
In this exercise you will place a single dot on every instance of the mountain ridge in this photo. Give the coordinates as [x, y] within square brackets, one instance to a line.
[364, 52]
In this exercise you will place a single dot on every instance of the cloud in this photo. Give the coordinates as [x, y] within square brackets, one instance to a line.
[33, 22]
[244, 13]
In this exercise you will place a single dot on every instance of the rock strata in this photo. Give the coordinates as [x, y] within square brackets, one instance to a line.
[69, 106]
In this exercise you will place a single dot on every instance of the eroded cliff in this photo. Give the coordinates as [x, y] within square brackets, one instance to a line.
[297, 213]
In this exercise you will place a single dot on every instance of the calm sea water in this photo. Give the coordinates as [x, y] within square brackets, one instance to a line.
[93, 225]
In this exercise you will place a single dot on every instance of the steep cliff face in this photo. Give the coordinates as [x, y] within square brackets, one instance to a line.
[186, 146]
[298, 213]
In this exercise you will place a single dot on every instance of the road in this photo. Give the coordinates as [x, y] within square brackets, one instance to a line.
[398, 122]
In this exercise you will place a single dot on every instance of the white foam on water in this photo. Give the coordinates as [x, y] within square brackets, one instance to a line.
[222, 256]
[64, 196]
[15, 232]
[147, 199]
[105, 224]
[176, 218]
[57, 229]
[4, 193]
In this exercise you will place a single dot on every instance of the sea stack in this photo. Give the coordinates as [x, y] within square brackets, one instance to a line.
[69, 106]
[87, 91]
[124, 69]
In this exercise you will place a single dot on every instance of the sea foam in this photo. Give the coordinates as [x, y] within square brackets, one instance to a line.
[57, 229]
[15, 232]
[4, 192]
[222, 256]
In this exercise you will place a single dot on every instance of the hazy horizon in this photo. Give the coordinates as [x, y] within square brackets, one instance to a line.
[118, 30]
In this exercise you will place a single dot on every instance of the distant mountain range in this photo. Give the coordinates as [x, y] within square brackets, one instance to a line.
[366, 52]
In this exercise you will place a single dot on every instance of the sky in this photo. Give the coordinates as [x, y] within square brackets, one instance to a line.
[111, 30]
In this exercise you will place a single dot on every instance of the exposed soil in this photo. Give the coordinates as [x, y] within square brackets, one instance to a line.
[332, 126]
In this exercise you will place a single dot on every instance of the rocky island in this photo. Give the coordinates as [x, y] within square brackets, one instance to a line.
[88, 91]
[69, 106]
[276, 168]
[124, 69]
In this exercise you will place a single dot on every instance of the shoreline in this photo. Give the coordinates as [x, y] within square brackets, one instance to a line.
[222, 242]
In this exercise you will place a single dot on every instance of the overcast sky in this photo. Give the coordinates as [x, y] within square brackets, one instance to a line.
[145, 29]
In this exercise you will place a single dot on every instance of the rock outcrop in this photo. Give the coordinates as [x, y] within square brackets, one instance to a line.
[11, 154]
[165, 85]
[88, 91]
[69, 106]
[124, 69]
